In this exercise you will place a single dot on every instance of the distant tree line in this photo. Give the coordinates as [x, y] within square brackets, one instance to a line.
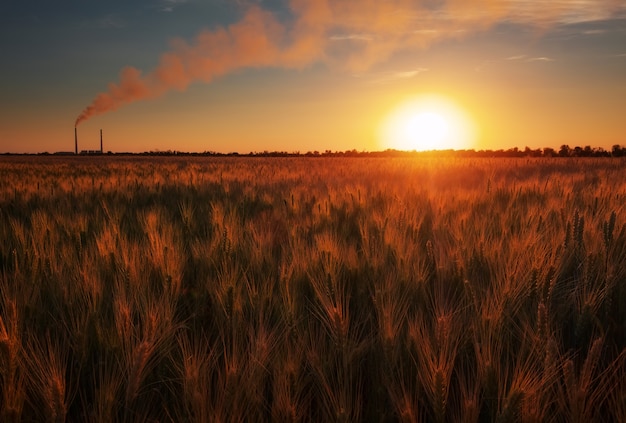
[564, 151]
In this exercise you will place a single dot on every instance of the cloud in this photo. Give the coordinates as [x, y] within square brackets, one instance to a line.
[518, 57]
[168, 6]
[351, 35]
[540, 59]
[389, 77]
[408, 74]
[524, 58]
[563, 12]
[595, 32]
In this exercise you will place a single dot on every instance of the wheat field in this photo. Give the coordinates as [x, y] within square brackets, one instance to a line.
[312, 289]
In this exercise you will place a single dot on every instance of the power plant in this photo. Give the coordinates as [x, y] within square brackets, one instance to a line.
[92, 152]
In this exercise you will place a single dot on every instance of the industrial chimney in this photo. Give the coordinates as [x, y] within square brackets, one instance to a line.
[101, 151]
[75, 141]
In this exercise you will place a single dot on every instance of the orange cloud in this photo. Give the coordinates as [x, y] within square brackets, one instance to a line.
[350, 34]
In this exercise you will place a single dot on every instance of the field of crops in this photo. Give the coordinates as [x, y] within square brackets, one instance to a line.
[312, 289]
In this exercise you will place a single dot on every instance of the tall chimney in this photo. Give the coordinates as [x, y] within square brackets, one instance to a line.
[75, 141]
[101, 152]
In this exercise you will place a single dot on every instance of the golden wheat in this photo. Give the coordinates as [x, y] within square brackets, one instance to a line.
[312, 289]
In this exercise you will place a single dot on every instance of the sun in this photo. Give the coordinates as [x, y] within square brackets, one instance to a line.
[427, 123]
[426, 129]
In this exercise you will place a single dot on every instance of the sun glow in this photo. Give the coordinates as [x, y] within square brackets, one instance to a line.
[427, 123]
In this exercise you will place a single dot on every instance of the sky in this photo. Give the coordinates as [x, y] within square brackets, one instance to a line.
[311, 75]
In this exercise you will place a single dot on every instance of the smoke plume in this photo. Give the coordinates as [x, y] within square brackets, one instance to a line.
[348, 34]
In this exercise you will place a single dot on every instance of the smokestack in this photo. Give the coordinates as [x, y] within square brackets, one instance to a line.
[75, 141]
[101, 152]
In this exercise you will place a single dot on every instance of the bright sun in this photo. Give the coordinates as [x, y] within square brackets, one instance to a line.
[427, 123]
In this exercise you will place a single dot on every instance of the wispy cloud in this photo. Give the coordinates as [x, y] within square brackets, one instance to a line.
[540, 59]
[169, 5]
[351, 37]
[526, 59]
[313, 32]
[392, 76]
[563, 12]
[427, 31]
[518, 58]
[594, 32]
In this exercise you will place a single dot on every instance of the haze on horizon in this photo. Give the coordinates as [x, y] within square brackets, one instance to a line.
[303, 75]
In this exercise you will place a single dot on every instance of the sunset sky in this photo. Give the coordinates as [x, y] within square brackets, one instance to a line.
[305, 75]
